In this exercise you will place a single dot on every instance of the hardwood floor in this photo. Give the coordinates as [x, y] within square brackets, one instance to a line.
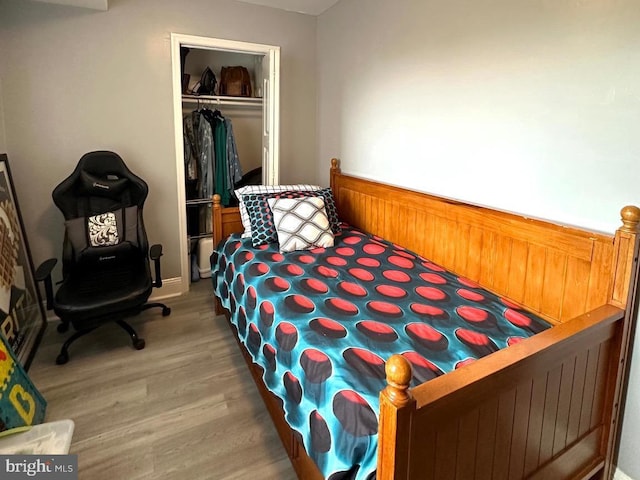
[185, 407]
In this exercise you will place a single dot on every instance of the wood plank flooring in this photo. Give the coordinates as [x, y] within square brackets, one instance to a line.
[185, 407]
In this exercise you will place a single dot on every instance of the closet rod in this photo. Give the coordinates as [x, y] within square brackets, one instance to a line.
[236, 101]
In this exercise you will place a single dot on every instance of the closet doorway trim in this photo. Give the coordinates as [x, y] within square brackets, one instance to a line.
[271, 123]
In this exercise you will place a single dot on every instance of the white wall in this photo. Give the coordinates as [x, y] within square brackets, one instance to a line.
[537, 98]
[76, 80]
[3, 144]
[531, 106]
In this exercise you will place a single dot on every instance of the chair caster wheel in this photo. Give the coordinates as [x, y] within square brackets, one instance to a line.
[139, 343]
[166, 311]
[62, 358]
[62, 327]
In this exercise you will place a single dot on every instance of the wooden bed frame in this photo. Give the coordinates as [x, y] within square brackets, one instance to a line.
[548, 407]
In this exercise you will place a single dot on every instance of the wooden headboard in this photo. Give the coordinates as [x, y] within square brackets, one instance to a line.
[558, 272]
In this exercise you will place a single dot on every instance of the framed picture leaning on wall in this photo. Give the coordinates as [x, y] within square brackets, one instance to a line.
[22, 317]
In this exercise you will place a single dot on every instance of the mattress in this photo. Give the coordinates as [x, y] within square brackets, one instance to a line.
[321, 324]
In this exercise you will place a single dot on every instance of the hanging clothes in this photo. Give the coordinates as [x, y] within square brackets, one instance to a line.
[207, 155]
[191, 150]
[220, 136]
[191, 167]
[234, 170]
[211, 155]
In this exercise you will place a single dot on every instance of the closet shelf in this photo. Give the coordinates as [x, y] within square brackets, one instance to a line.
[249, 102]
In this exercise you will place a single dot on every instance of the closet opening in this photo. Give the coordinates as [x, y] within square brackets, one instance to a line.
[226, 117]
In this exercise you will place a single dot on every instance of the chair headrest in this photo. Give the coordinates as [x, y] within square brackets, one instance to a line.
[102, 186]
[100, 182]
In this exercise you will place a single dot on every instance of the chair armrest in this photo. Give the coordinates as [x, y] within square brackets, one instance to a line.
[155, 252]
[43, 274]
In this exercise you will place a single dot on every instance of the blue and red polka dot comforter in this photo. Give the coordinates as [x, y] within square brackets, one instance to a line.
[321, 324]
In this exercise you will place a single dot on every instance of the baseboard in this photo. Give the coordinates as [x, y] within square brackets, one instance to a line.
[171, 287]
[620, 475]
[50, 316]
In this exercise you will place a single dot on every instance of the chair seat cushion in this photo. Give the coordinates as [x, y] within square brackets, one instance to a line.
[86, 297]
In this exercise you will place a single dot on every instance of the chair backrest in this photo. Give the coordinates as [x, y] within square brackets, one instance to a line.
[100, 192]
[101, 182]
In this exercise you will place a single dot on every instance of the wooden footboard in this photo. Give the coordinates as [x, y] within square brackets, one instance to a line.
[534, 410]
[547, 407]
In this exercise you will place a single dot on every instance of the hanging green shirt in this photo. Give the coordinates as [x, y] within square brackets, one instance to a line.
[220, 146]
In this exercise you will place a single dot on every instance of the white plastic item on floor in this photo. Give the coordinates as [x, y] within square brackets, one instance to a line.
[205, 249]
[51, 438]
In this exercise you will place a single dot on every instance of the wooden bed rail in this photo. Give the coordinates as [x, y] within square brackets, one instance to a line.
[225, 220]
[624, 294]
[625, 253]
[397, 407]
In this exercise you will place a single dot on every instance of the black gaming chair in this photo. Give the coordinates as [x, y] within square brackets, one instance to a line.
[105, 259]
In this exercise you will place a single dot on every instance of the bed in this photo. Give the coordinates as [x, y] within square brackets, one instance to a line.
[546, 407]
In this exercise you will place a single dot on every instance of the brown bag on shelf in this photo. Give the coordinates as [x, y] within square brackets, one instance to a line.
[235, 81]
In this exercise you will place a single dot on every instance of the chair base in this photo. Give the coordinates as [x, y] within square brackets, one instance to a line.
[166, 311]
[138, 342]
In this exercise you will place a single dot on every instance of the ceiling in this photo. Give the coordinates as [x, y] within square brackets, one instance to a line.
[310, 7]
[92, 4]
